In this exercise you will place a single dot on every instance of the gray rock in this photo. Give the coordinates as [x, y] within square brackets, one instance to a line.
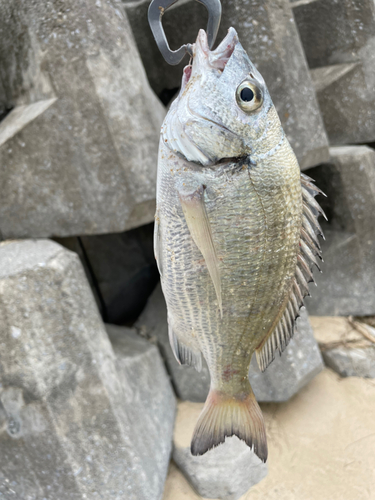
[121, 269]
[347, 284]
[149, 403]
[351, 362]
[288, 373]
[339, 43]
[268, 33]
[225, 472]
[345, 350]
[73, 424]
[79, 146]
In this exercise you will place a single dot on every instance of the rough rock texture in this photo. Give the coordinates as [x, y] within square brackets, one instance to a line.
[226, 472]
[149, 402]
[300, 362]
[347, 350]
[121, 269]
[268, 33]
[321, 445]
[79, 147]
[288, 373]
[73, 425]
[347, 285]
[339, 42]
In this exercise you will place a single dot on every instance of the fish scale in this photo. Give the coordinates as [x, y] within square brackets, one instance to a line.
[231, 235]
[188, 287]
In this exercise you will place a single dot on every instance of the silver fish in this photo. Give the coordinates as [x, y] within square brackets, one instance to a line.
[235, 234]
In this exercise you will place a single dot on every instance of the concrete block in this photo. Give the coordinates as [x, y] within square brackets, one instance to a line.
[347, 284]
[225, 472]
[339, 43]
[79, 146]
[121, 269]
[297, 366]
[346, 101]
[75, 423]
[267, 31]
[348, 351]
[287, 374]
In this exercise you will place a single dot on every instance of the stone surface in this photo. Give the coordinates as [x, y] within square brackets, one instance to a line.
[121, 269]
[347, 284]
[288, 373]
[299, 363]
[149, 403]
[75, 423]
[339, 43]
[226, 472]
[345, 349]
[321, 445]
[268, 33]
[79, 147]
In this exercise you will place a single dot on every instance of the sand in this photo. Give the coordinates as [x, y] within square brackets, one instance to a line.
[321, 444]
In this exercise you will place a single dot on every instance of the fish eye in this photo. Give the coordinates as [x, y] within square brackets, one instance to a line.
[249, 96]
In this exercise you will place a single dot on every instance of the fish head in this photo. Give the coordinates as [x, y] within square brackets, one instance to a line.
[223, 108]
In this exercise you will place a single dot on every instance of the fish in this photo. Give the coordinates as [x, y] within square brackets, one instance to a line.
[235, 235]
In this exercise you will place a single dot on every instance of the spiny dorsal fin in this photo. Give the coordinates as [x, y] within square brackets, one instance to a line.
[309, 250]
[183, 354]
[192, 203]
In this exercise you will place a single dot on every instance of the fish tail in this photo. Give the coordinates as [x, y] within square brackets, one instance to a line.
[226, 415]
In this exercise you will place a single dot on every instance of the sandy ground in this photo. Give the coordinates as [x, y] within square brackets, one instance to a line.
[321, 444]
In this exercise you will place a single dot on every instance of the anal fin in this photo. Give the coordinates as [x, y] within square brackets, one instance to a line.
[183, 354]
[193, 207]
[157, 244]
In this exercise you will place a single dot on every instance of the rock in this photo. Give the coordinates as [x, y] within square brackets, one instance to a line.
[345, 349]
[271, 40]
[339, 43]
[328, 427]
[121, 269]
[149, 403]
[79, 146]
[300, 362]
[73, 424]
[225, 472]
[347, 285]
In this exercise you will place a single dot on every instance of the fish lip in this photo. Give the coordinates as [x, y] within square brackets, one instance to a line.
[219, 57]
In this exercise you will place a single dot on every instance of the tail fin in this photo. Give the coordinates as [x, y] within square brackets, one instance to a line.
[225, 415]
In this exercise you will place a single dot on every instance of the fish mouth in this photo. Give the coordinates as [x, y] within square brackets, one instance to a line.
[219, 57]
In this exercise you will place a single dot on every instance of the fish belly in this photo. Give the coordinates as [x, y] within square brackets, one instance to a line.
[255, 215]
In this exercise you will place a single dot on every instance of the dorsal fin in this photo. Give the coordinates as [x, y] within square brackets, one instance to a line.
[192, 203]
[309, 247]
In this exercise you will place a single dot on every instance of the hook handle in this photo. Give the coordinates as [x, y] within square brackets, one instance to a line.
[156, 11]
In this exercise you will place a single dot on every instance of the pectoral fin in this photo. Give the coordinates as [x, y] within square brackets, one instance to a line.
[192, 203]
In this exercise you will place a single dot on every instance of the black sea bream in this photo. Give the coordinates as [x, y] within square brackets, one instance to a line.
[235, 234]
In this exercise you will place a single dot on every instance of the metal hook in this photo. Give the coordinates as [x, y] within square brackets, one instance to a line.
[155, 12]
